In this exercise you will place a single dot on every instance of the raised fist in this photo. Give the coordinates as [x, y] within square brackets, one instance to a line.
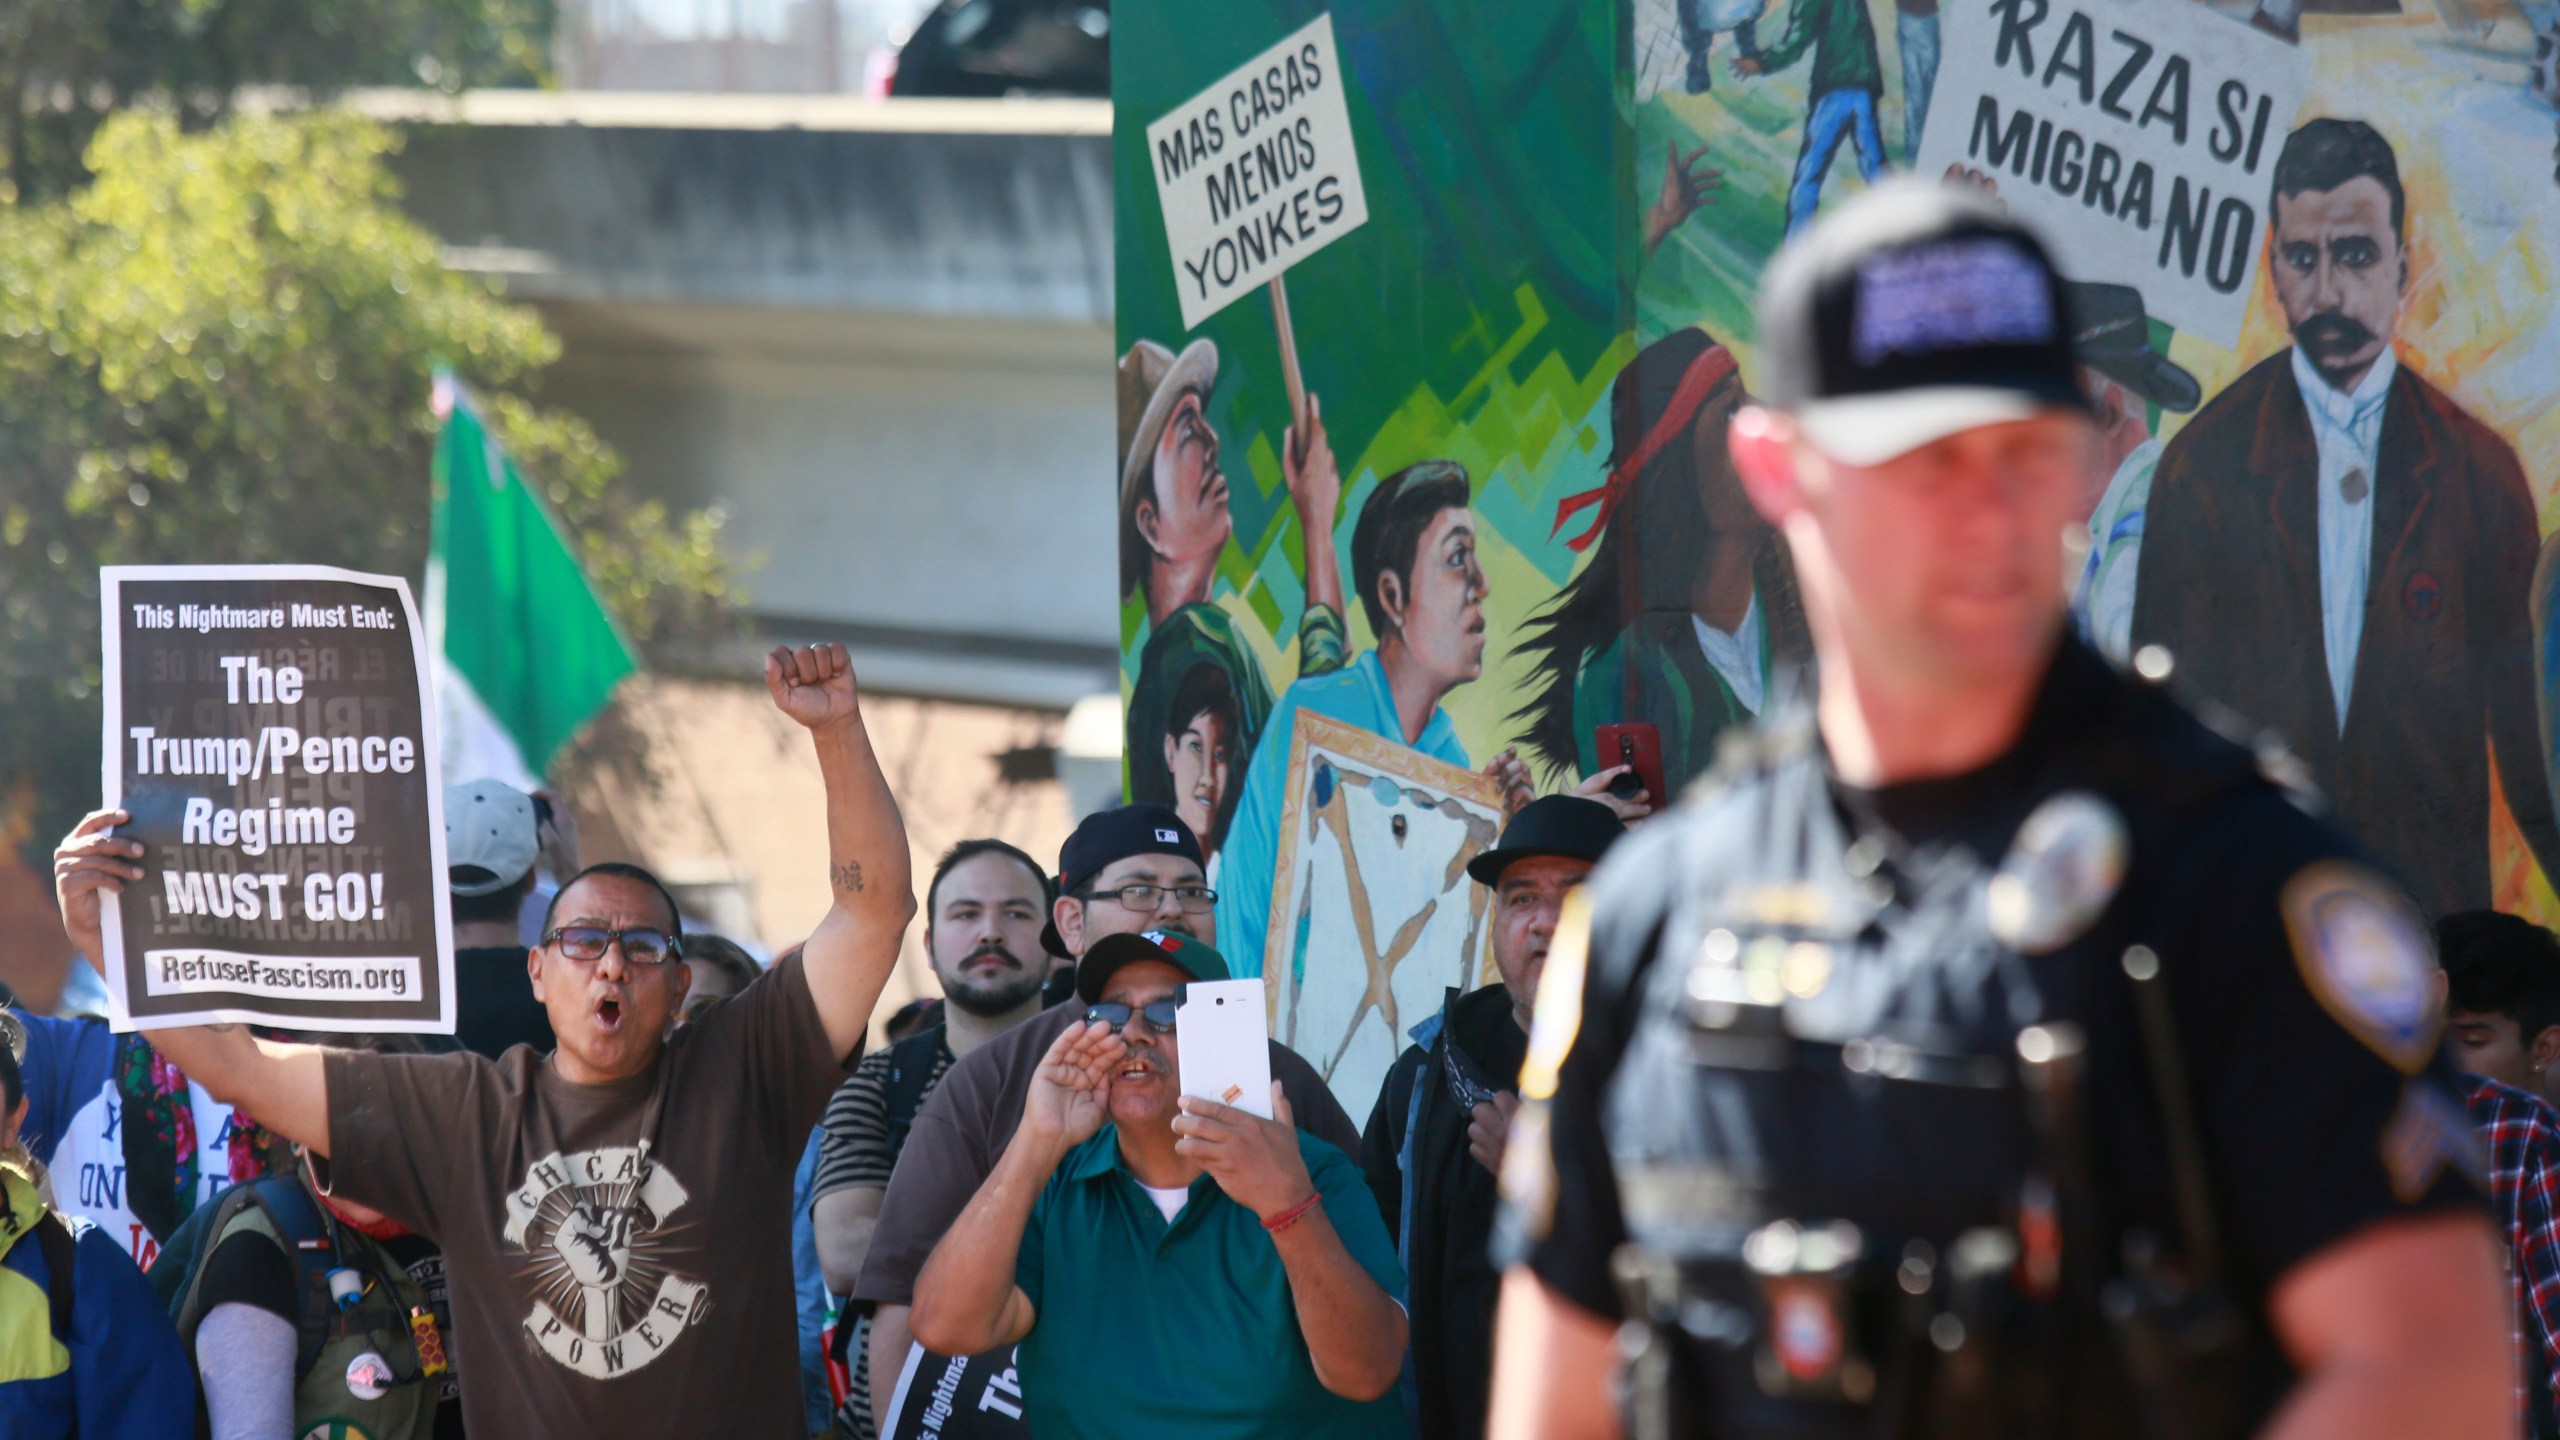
[812, 684]
[596, 1248]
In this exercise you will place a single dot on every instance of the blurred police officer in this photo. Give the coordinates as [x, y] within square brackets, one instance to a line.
[1990, 1051]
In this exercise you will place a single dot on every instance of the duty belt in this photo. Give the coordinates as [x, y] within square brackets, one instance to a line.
[1849, 1332]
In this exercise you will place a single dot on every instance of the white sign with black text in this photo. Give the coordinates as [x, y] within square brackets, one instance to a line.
[2139, 136]
[1257, 172]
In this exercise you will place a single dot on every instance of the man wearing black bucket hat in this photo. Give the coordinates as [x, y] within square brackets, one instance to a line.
[2127, 378]
[1434, 1143]
[1992, 1051]
[1126, 870]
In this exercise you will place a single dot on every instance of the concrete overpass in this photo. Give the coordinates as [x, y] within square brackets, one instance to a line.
[878, 333]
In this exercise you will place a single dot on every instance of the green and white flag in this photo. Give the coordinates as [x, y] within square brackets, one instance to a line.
[526, 652]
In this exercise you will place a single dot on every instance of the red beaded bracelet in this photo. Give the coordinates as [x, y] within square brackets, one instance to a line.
[1292, 1215]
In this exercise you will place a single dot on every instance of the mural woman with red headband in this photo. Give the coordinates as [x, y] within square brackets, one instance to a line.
[1686, 615]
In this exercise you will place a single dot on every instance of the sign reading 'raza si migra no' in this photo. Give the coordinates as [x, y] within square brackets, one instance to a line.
[1257, 172]
[2139, 135]
[268, 730]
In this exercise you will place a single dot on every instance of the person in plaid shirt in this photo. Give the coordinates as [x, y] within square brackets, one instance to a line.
[2502, 1028]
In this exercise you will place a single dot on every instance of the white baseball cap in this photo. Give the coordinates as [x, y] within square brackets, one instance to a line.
[489, 839]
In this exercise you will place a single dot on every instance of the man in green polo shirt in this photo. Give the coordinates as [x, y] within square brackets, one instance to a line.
[1186, 1270]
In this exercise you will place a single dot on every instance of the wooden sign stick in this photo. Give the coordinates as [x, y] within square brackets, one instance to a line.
[1289, 375]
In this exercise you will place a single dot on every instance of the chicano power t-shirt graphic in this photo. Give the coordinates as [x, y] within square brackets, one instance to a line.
[594, 1224]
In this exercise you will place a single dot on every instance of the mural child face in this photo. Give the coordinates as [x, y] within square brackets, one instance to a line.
[2340, 274]
[1438, 611]
[1186, 521]
[1201, 760]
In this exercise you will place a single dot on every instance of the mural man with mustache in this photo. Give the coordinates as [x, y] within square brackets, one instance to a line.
[2337, 551]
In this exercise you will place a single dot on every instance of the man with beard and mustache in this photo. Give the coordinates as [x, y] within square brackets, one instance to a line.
[1168, 1265]
[1125, 870]
[983, 911]
[2332, 503]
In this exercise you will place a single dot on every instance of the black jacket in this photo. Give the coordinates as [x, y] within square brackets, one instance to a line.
[1419, 1133]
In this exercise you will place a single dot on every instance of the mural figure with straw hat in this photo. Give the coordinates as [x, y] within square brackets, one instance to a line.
[1254, 174]
[1201, 695]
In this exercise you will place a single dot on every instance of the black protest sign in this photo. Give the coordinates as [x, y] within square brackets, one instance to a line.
[270, 732]
[973, 1397]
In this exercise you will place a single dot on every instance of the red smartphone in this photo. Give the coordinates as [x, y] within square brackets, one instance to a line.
[1637, 743]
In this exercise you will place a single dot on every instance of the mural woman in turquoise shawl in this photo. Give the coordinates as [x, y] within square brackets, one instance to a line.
[1413, 553]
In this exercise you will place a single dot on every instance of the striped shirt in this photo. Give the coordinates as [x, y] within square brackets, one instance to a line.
[854, 1150]
[853, 1139]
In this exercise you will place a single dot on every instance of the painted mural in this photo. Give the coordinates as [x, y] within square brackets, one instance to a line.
[1429, 336]
[1338, 495]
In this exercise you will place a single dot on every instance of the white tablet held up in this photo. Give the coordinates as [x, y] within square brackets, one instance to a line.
[1223, 1038]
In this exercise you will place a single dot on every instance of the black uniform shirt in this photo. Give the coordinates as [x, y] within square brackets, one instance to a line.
[2299, 985]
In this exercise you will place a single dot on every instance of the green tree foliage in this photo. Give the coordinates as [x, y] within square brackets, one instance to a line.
[219, 350]
[65, 65]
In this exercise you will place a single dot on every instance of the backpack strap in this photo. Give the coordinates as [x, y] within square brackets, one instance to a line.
[312, 1243]
[910, 1080]
[180, 1252]
[309, 1242]
[186, 1307]
[61, 1249]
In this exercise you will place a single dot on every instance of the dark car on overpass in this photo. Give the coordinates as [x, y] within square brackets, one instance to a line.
[989, 48]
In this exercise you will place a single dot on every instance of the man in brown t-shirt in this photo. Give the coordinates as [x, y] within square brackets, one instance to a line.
[1125, 870]
[615, 1217]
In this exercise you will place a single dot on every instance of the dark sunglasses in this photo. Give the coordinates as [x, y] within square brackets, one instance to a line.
[646, 945]
[1159, 1015]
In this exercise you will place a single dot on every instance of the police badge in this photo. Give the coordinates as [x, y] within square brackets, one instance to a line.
[2060, 873]
[2367, 958]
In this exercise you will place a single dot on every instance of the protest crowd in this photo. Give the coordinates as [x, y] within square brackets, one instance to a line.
[652, 1185]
